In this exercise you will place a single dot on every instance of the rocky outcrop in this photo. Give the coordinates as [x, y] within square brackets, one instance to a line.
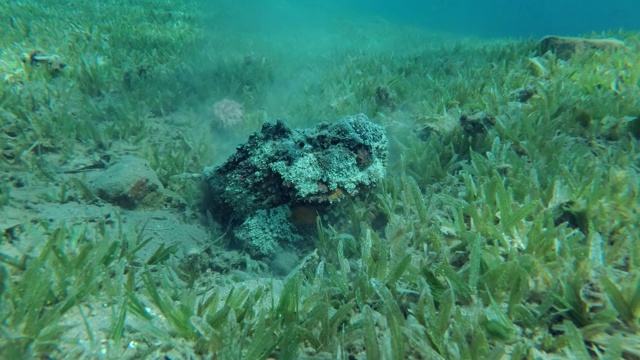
[281, 177]
[566, 47]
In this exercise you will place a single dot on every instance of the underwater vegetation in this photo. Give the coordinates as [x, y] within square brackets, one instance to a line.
[506, 226]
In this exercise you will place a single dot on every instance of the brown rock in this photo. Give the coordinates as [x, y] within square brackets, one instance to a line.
[128, 183]
[565, 47]
[476, 123]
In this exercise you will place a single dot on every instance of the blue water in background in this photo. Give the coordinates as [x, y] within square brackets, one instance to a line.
[491, 18]
[512, 18]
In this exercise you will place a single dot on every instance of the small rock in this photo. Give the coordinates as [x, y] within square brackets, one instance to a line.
[634, 127]
[524, 94]
[128, 183]
[476, 123]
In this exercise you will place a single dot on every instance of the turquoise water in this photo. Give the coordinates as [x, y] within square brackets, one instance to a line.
[493, 18]
[512, 18]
